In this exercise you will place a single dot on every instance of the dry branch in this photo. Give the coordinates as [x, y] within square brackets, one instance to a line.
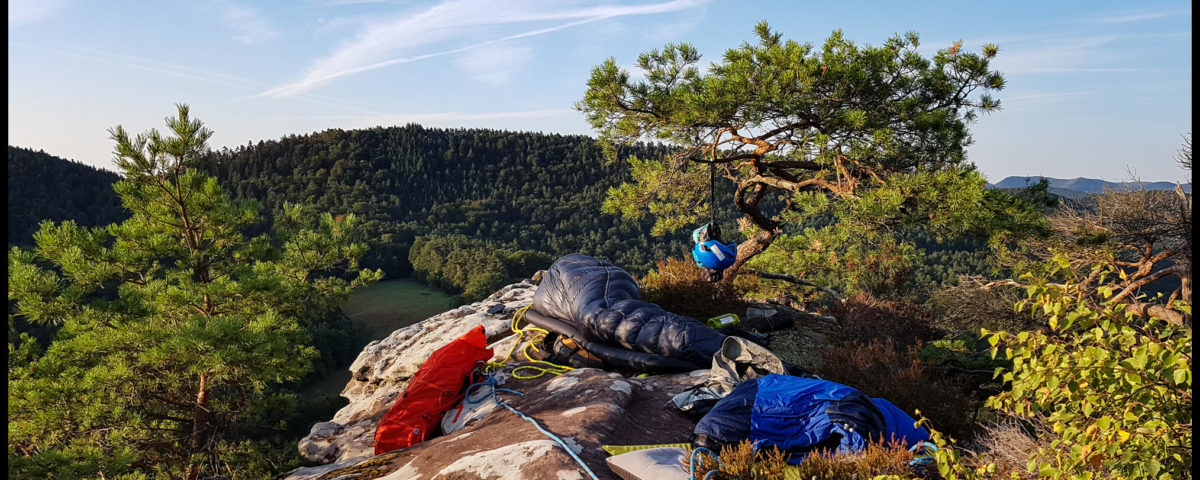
[793, 279]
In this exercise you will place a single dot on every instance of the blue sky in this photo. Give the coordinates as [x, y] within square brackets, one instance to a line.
[1095, 89]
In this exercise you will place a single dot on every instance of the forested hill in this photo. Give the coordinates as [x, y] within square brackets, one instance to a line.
[530, 191]
[44, 187]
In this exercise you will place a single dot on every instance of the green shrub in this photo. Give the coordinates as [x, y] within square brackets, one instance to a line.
[1111, 385]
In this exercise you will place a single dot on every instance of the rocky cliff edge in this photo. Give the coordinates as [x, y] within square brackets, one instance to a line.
[586, 408]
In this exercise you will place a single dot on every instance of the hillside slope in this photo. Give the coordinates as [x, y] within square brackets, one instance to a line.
[531, 191]
[45, 187]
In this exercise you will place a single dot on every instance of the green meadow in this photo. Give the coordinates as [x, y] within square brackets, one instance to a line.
[380, 309]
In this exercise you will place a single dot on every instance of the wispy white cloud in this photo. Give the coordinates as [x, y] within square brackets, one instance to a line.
[28, 11]
[454, 20]
[248, 25]
[1126, 18]
[1107, 42]
[352, 22]
[494, 64]
[1089, 54]
[190, 73]
[145, 64]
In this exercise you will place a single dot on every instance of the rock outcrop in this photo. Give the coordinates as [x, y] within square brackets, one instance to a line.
[383, 369]
[585, 408]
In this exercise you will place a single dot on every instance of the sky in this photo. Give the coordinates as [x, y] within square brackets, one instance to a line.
[1096, 89]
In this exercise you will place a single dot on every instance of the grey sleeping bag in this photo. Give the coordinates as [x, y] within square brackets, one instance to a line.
[603, 303]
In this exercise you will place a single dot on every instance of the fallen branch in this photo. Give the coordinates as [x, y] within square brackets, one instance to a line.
[966, 370]
[790, 278]
[823, 318]
[792, 308]
[1012, 283]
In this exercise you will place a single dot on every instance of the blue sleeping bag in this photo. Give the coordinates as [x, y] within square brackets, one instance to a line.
[802, 415]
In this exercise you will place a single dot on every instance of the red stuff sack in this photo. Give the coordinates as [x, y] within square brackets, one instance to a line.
[437, 386]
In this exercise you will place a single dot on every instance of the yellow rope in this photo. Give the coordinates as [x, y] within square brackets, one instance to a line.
[550, 367]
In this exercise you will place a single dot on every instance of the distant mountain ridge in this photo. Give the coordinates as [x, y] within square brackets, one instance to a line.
[1081, 187]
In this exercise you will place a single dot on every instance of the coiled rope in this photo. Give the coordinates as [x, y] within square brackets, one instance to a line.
[489, 370]
[921, 448]
[542, 367]
[490, 379]
[692, 463]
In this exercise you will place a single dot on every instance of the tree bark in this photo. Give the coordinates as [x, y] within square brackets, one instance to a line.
[747, 250]
[746, 197]
[1160, 311]
[1185, 281]
[200, 424]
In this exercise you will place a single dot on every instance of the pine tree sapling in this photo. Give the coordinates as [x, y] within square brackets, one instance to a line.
[174, 324]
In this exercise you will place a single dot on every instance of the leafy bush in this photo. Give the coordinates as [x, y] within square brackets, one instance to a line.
[1111, 384]
[1114, 387]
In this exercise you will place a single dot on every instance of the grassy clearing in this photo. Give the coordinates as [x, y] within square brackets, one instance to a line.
[382, 308]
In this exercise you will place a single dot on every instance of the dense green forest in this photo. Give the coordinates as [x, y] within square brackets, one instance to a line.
[528, 191]
[44, 187]
[538, 192]
[507, 192]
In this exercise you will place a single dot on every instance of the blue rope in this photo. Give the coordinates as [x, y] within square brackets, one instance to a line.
[692, 464]
[490, 380]
[923, 460]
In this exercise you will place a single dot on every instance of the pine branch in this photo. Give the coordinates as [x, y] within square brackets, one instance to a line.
[793, 279]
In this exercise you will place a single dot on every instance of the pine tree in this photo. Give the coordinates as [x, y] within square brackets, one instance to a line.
[819, 147]
[174, 326]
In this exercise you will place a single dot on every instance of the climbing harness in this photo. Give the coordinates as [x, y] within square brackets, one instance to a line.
[692, 463]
